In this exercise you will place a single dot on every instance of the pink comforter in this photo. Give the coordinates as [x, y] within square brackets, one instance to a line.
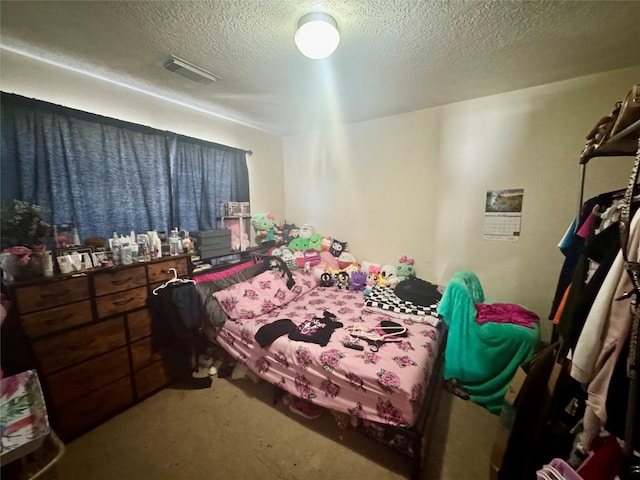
[387, 386]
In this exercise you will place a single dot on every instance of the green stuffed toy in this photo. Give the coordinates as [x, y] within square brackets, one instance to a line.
[405, 268]
[299, 244]
[315, 242]
[264, 225]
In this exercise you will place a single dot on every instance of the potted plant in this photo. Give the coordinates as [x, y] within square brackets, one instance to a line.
[22, 240]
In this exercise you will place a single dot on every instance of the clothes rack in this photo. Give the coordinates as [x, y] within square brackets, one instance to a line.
[610, 148]
[615, 147]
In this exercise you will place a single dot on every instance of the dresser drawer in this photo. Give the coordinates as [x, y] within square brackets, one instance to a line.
[79, 415]
[51, 294]
[159, 272]
[139, 324]
[151, 378]
[55, 353]
[142, 354]
[111, 281]
[121, 302]
[58, 318]
[74, 382]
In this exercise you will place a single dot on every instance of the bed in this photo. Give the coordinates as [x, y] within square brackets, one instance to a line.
[374, 363]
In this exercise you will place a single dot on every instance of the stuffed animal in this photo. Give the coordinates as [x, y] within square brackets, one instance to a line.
[286, 228]
[357, 281]
[299, 256]
[387, 271]
[299, 244]
[264, 224]
[371, 281]
[393, 281]
[354, 267]
[345, 259]
[326, 279]
[405, 269]
[369, 267]
[289, 259]
[326, 243]
[294, 232]
[315, 242]
[312, 256]
[306, 231]
[337, 247]
[342, 280]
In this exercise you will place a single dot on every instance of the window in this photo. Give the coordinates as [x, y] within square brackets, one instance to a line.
[107, 175]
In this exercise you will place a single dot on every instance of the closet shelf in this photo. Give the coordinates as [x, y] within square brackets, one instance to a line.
[614, 147]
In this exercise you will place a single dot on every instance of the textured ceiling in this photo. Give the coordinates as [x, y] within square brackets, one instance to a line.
[395, 56]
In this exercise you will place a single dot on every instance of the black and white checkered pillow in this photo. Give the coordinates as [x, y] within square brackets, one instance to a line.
[384, 298]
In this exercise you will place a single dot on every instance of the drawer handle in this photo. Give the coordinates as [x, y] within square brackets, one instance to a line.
[81, 346]
[123, 302]
[121, 282]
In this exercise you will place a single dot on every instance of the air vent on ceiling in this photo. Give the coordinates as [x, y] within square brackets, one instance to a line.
[190, 71]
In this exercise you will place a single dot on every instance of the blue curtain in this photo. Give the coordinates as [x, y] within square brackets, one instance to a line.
[202, 177]
[106, 175]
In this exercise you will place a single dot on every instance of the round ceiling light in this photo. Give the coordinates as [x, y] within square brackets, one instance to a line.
[317, 35]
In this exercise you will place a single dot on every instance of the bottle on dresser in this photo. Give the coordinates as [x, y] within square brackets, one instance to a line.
[116, 249]
[175, 244]
[154, 250]
[133, 243]
[143, 248]
[125, 251]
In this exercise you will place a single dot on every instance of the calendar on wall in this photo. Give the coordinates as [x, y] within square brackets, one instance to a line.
[503, 214]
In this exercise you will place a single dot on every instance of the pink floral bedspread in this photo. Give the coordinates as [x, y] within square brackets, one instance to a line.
[387, 386]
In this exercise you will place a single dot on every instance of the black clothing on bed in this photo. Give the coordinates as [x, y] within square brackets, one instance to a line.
[418, 292]
[266, 334]
[316, 330]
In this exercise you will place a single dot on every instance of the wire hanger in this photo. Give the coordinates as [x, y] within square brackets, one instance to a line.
[172, 281]
[373, 337]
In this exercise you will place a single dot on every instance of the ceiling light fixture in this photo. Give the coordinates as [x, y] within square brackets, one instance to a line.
[190, 71]
[317, 35]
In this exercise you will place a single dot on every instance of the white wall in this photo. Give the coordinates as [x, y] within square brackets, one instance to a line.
[36, 79]
[415, 184]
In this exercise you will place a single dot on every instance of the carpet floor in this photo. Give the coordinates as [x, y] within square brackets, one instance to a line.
[232, 430]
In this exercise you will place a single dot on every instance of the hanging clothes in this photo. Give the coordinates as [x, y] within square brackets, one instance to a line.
[175, 314]
[618, 398]
[614, 328]
[592, 267]
[573, 242]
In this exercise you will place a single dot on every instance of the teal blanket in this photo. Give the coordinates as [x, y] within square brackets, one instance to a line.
[483, 358]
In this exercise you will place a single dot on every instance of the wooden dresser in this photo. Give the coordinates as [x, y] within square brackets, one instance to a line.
[91, 336]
